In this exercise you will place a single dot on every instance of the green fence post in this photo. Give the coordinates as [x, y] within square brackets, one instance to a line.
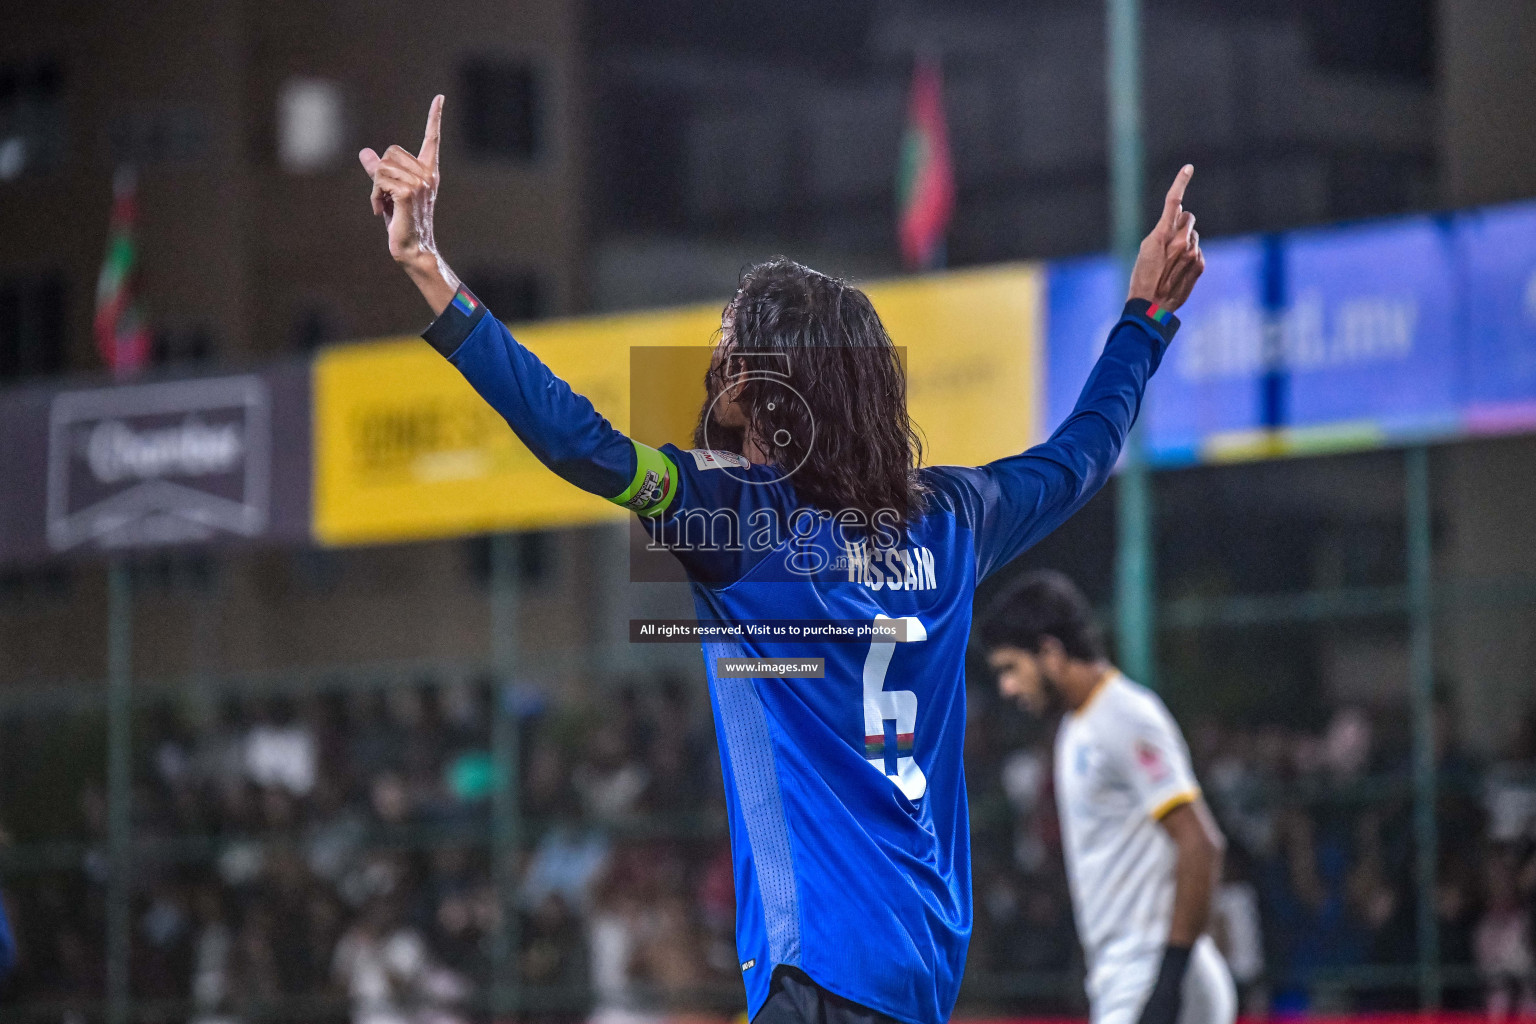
[119, 787]
[506, 809]
[1134, 591]
[1421, 675]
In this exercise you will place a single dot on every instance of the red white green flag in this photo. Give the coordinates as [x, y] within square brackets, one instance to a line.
[122, 336]
[925, 182]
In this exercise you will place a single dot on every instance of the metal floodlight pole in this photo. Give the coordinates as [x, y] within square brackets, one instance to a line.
[119, 787]
[506, 757]
[1133, 492]
[1421, 676]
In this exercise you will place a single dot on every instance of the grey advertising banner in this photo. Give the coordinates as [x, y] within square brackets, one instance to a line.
[196, 460]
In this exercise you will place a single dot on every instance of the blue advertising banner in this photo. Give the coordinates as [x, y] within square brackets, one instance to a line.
[1369, 330]
[1497, 252]
[1329, 338]
[1083, 298]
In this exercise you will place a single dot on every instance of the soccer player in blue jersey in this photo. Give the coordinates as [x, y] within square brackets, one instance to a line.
[804, 499]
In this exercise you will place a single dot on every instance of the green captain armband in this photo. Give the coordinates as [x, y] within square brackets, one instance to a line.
[654, 485]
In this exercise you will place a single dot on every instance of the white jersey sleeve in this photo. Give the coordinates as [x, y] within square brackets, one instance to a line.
[1148, 753]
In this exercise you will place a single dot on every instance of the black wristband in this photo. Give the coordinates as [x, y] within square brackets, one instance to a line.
[1162, 322]
[455, 323]
[1175, 964]
[1166, 997]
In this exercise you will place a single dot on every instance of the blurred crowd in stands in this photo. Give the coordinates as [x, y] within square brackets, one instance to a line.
[342, 845]
[332, 857]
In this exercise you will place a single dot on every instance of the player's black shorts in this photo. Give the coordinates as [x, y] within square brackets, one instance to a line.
[794, 998]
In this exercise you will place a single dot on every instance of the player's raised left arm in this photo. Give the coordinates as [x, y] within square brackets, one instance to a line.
[559, 426]
[1026, 496]
[405, 195]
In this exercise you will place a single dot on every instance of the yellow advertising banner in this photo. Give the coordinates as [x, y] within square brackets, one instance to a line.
[405, 450]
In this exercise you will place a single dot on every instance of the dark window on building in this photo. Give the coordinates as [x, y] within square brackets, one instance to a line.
[160, 134]
[1371, 185]
[313, 327]
[181, 345]
[315, 570]
[31, 118]
[532, 557]
[1395, 39]
[44, 583]
[32, 317]
[640, 169]
[511, 297]
[501, 109]
[173, 572]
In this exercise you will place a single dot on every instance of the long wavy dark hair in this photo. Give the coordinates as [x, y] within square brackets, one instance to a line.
[825, 392]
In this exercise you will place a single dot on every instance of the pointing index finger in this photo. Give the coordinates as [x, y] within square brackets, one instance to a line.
[1175, 198]
[428, 154]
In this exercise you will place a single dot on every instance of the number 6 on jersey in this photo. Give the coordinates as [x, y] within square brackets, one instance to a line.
[890, 716]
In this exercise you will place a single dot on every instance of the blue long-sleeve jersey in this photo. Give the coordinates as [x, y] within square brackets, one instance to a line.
[846, 793]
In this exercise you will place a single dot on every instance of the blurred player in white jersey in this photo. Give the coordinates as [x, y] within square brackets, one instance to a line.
[1143, 853]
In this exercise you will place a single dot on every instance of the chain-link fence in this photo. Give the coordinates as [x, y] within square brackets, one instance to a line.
[440, 841]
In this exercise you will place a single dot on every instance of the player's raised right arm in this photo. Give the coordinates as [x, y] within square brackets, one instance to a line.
[560, 427]
[1024, 497]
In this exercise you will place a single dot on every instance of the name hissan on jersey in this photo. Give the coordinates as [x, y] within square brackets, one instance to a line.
[891, 568]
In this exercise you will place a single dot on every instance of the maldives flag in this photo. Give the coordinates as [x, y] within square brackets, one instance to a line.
[925, 182]
[121, 334]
